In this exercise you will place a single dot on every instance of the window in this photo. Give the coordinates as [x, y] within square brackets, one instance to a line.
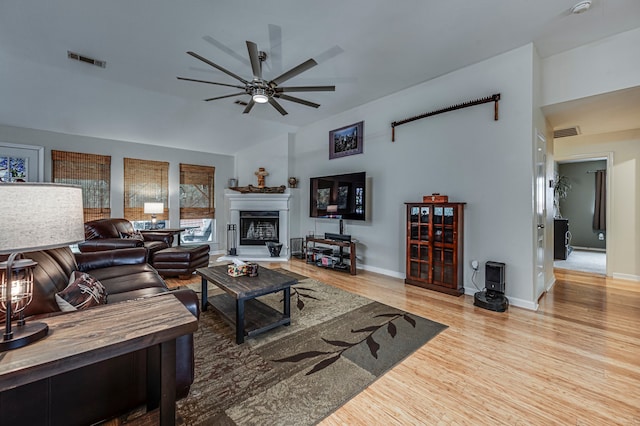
[92, 172]
[197, 211]
[145, 181]
[13, 169]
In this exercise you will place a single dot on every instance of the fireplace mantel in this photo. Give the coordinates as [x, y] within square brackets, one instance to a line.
[236, 202]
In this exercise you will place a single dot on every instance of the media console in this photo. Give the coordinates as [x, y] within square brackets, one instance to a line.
[316, 251]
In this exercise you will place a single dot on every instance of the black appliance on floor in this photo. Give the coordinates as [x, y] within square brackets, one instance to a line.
[492, 298]
[561, 239]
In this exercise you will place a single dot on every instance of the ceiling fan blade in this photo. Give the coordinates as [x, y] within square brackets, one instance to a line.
[309, 63]
[226, 49]
[226, 96]
[248, 108]
[277, 106]
[306, 89]
[210, 82]
[255, 61]
[208, 62]
[275, 53]
[298, 100]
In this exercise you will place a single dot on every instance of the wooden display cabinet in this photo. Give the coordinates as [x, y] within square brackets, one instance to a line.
[434, 246]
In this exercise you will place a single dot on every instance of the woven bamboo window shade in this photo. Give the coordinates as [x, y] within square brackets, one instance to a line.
[92, 172]
[145, 181]
[196, 192]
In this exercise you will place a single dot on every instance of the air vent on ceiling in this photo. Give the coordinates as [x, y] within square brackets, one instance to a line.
[569, 131]
[85, 59]
[243, 103]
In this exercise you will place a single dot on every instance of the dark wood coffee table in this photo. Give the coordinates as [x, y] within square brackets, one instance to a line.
[241, 293]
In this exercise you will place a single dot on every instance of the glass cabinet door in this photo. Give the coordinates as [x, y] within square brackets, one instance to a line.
[419, 264]
[414, 214]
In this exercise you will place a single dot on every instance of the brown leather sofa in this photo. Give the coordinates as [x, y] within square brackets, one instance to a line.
[115, 233]
[109, 388]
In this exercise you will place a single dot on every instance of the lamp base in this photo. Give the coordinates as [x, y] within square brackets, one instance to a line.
[24, 335]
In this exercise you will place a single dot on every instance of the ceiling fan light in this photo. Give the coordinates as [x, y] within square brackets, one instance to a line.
[260, 96]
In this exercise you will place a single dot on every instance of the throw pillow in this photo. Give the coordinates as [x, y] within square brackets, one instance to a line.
[82, 292]
[132, 235]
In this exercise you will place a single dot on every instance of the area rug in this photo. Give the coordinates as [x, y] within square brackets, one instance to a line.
[338, 343]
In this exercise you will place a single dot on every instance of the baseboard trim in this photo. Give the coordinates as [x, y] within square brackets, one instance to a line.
[596, 249]
[381, 271]
[550, 284]
[627, 277]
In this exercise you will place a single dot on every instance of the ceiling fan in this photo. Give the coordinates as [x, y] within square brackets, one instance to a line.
[261, 90]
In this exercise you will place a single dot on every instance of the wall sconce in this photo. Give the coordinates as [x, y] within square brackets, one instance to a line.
[34, 225]
[153, 209]
[293, 182]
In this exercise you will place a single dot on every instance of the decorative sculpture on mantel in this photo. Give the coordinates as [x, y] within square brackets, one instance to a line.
[261, 173]
[250, 189]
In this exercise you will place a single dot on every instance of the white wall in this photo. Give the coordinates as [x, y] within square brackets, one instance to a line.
[118, 150]
[464, 154]
[604, 66]
[272, 154]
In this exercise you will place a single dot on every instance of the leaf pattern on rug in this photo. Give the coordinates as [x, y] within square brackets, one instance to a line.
[371, 343]
[299, 295]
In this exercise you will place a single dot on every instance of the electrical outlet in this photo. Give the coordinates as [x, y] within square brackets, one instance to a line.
[474, 265]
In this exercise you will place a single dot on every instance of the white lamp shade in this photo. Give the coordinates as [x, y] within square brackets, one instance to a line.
[153, 208]
[39, 216]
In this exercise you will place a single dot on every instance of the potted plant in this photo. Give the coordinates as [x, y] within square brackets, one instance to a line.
[561, 188]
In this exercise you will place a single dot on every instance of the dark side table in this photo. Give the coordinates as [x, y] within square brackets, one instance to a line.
[74, 341]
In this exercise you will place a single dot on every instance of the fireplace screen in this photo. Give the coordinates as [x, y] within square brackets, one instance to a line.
[258, 227]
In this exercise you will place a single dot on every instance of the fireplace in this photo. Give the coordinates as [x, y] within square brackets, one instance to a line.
[258, 227]
[269, 214]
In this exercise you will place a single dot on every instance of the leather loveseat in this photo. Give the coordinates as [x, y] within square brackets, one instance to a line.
[116, 233]
[109, 388]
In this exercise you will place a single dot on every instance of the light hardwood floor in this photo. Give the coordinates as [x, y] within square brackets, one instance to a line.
[576, 361]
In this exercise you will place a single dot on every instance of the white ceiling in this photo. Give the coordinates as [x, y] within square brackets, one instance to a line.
[367, 48]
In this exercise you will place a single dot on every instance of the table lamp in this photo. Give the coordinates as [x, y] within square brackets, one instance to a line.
[35, 216]
[153, 209]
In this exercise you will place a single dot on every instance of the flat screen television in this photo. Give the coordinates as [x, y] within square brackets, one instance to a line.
[339, 196]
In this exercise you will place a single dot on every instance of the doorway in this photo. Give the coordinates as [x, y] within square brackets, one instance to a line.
[580, 231]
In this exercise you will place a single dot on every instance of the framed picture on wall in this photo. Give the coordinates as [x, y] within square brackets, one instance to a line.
[346, 140]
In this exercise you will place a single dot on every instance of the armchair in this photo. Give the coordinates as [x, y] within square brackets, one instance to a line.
[117, 233]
